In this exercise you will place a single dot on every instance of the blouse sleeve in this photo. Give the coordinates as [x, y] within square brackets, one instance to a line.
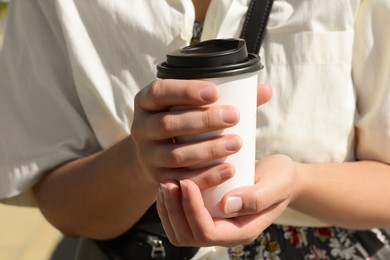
[371, 76]
[43, 123]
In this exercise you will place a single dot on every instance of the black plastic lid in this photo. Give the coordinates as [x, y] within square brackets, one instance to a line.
[209, 59]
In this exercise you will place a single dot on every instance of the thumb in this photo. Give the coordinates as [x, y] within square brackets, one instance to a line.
[246, 200]
[264, 94]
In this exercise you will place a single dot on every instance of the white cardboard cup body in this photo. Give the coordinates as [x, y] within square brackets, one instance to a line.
[239, 91]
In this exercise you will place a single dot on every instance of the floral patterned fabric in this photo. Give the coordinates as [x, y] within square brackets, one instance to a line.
[301, 243]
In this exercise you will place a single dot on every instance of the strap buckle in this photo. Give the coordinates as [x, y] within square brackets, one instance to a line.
[158, 250]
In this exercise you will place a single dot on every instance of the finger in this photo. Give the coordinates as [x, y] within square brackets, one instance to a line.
[211, 176]
[248, 200]
[164, 216]
[253, 199]
[162, 94]
[204, 178]
[177, 218]
[199, 219]
[188, 122]
[184, 155]
[264, 94]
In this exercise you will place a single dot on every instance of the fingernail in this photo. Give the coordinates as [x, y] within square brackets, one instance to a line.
[230, 115]
[233, 143]
[208, 93]
[233, 205]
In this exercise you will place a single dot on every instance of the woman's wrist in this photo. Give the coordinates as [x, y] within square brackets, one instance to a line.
[299, 183]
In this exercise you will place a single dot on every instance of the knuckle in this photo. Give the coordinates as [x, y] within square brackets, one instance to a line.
[211, 151]
[259, 203]
[155, 89]
[176, 158]
[210, 181]
[187, 92]
[216, 148]
[207, 119]
[165, 123]
[211, 118]
[213, 177]
[142, 95]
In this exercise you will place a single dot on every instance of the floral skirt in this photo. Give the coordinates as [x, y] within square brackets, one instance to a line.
[286, 242]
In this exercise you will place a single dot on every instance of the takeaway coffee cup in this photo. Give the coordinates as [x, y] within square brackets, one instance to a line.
[227, 64]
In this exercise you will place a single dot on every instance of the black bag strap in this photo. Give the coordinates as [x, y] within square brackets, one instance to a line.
[255, 24]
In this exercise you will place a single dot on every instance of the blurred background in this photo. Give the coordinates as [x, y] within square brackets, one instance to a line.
[3, 12]
[24, 233]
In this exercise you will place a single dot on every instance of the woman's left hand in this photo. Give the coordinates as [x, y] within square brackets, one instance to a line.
[188, 223]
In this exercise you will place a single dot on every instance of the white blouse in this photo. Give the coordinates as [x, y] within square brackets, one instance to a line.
[69, 71]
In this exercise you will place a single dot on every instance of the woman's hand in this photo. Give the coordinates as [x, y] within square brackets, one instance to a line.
[126, 175]
[155, 126]
[187, 222]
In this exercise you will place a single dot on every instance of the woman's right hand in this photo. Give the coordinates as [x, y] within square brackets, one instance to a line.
[155, 126]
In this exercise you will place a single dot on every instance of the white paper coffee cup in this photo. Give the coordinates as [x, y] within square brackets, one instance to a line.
[226, 64]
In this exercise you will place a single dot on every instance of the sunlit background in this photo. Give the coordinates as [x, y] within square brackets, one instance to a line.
[3, 12]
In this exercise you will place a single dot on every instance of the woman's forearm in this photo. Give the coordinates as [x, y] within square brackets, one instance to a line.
[352, 195]
[99, 196]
